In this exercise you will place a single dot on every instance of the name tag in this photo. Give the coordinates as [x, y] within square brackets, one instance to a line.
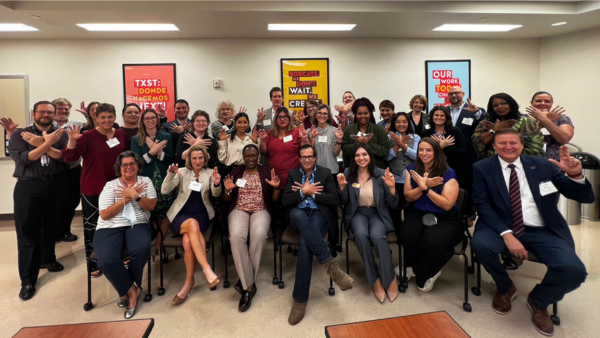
[355, 185]
[225, 127]
[240, 183]
[426, 126]
[266, 123]
[195, 186]
[544, 131]
[322, 139]
[287, 139]
[468, 121]
[544, 148]
[113, 142]
[547, 188]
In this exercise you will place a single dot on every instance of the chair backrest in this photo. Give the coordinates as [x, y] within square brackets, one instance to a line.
[461, 201]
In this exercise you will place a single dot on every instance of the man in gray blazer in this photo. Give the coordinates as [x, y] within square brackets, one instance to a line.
[312, 196]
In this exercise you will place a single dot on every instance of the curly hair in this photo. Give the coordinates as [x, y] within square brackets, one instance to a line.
[364, 102]
[220, 104]
[125, 154]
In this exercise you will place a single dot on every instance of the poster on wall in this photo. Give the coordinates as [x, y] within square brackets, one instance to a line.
[440, 76]
[149, 85]
[303, 79]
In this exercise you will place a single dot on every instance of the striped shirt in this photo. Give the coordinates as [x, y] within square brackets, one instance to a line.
[108, 198]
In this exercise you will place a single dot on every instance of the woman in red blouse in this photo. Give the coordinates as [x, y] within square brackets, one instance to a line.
[99, 149]
[282, 143]
[251, 188]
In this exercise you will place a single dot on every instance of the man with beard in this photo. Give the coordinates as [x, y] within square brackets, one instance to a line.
[181, 123]
[38, 194]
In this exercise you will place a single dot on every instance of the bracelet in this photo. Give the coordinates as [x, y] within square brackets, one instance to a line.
[227, 192]
[573, 176]
[340, 143]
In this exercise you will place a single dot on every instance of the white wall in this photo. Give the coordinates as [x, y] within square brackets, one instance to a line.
[378, 69]
[570, 70]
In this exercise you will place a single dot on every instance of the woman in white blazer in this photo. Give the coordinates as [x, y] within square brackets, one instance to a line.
[191, 212]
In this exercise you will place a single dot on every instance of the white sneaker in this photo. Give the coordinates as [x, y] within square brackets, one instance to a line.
[409, 272]
[429, 283]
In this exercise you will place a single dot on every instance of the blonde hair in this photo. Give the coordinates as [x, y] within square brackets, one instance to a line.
[420, 97]
[220, 104]
[61, 102]
[275, 128]
[188, 160]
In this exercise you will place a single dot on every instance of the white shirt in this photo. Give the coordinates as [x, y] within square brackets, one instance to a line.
[455, 113]
[107, 198]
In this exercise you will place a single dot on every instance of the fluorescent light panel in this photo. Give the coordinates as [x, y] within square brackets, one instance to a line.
[559, 23]
[311, 27]
[475, 28]
[16, 27]
[128, 27]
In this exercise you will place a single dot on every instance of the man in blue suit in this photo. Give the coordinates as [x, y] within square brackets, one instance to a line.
[515, 197]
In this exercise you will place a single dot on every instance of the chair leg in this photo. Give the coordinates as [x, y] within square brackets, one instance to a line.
[399, 261]
[161, 290]
[477, 289]
[89, 305]
[281, 283]
[554, 317]
[466, 306]
[212, 253]
[331, 289]
[275, 279]
[347, 257]
[148, 296]
[226, 244]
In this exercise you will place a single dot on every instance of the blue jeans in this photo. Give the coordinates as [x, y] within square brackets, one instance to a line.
[565, 273]
[312, 226]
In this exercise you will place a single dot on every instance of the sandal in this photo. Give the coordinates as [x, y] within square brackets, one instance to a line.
[99, 273]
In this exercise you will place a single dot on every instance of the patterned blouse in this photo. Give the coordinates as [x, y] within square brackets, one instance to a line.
[552, 146]
[534, 141]
[250, 197]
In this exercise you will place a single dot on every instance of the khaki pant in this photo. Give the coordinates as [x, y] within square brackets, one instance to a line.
[247, 257]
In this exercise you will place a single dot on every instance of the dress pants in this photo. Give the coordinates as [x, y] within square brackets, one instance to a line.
[37, 206]
[73, 198]
[428, 248]
[247, 257]
[312, 225]
[109, 244]
[565, 272]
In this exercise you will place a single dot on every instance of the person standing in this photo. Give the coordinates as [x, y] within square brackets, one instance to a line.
[181, 123]
[39, 192]
[265, 116]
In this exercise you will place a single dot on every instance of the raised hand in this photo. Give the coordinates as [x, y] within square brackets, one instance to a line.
[149, 142]
[260, 116]
[254, 136]
[556, 113]
[434, 181]
[342, 118]
[160, 110]
[499, 125]
[189, 140]
[536, 114]
[568, 164]
[53, 137]
[339, 108]
[487, 124]
[222, 134]
[313, 132]
[387, 128]
[302, 133]
[388, 178]
[339, 133]
[241, 110]
[399, 140]
[82, 109]
[341, 178]
[216, 178]
[228, 183]
[274, 182]
[301, 116]
[263, 135]
[74, 133]
[32, 139]
[180, 128]
[156, 147]
[472, 106]
[174, 168]
[8, 124]
[421, 181]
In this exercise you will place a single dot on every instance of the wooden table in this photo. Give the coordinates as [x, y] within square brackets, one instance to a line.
[123, 328]
[434, 325]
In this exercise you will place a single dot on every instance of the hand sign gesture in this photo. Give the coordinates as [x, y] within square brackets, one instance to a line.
[228, 183]
[339, 133]
[388, 178]
[222, 134]
[74, 133]
[155, 146]
[260, 116]
[82, 109]
[242, 110]
[274, 182]
[263, 135]
[398, 139]
[556, 113]
[434, 181]
[568, 164]
[444, 142]
[472, 106]
[308, 189]
[302, 134]
[421, 181]
[160, 110]
[174, 168]
[499, 125]
[53, 137]
[216, 178]
[313, 132]
[254, 136]
[341, 178]
[8, 124]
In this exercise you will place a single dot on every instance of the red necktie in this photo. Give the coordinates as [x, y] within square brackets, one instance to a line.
[514, 192]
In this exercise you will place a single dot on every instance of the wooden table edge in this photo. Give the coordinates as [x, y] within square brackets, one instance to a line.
[146, 333]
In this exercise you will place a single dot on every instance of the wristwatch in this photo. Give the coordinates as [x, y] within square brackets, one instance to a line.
[426, 191]
[492, 132]
[313, 196]
[139, 198]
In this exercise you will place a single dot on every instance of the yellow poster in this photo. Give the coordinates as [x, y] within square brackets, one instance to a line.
[304, 79]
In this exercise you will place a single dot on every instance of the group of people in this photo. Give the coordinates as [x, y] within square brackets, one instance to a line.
[402, 174]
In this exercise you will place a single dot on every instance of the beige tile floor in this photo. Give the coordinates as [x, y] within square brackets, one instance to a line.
[60, 298]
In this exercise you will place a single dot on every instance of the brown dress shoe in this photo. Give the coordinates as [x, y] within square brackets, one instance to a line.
[297, 313]
[502, 303]
[338, 276]
[540, 318]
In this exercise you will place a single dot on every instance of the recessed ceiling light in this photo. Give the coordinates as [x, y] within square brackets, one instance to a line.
[128, 27]
[311, 27]
[476, 28]
[559, 23]
[482, 19]
[16, 27]
[37, 17]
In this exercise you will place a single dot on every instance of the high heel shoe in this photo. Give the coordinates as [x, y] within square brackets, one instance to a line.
[130, 312]
[178, 300]
[214, 282]
[380, 296]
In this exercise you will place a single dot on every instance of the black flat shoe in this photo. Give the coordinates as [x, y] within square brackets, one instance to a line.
[67, 238]
[53, 267]
[27, 291]
[238, 287]
[246, 299]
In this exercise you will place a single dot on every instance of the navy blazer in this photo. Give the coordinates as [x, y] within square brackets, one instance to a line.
[381, 194]
[492, 203]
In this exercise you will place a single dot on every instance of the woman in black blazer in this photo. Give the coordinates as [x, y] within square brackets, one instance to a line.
[372, 190]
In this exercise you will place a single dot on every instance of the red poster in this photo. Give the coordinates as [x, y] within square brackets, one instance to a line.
[149, 85]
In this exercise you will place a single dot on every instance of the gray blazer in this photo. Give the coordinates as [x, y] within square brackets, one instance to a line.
[268, 116]
[381, 193]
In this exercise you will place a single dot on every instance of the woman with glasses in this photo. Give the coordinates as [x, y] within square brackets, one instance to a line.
[197, 136]
[231, 145]
[251, 189]
[156, 149]
[326, 139]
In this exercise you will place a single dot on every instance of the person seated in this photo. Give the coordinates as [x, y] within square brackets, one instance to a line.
[191, 213]
[433, 225]
[367, 214]
[125, 204]
[313, 197]
[515, 197]
[250, 188]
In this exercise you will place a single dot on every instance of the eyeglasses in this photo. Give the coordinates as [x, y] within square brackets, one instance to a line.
[125, 165]
[306, 158]
[322, 114]
[283, 117]
[201, 121]
[454, 93]
[65, 109]
[153, 118]
[310, 107]
[44, 112]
